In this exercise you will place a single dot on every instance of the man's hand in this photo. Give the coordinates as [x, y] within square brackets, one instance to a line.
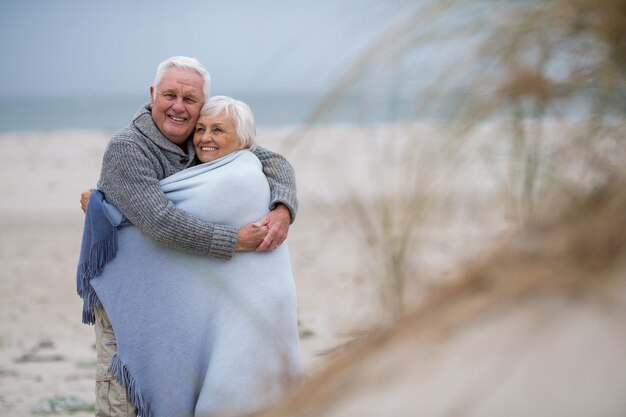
[278, 221]
[251, 235]
[84, 199]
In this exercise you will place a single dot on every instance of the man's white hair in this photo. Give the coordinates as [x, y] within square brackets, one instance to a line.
[183, 62]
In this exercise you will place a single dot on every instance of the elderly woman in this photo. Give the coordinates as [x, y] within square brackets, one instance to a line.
[225, 125]
[206, 336]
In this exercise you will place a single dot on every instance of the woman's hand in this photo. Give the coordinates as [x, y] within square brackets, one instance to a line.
[251, 235]
[84, 199]
[278, 221]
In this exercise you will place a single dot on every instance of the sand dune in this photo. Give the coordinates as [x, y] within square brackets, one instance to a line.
[536, 328]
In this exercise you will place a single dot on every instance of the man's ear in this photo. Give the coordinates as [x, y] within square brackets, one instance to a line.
[151, 95]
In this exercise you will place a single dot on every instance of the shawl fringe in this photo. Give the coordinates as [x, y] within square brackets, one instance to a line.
[120, 371]
[99, 254]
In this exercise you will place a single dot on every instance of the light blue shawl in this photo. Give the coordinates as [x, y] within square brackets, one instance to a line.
[200, 336]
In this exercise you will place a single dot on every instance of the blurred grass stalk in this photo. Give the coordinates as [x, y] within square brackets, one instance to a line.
[543, 82]
[392, 200]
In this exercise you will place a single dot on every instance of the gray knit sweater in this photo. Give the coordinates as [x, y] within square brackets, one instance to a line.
[139, 156]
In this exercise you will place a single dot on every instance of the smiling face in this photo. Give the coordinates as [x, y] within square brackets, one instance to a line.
[176, 103]
[215, 137]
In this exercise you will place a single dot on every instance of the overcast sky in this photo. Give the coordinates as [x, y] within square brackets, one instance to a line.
[87, 47]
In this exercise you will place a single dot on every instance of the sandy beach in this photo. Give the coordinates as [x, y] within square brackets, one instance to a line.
[47, 356]
[45, 351]
[460, 244]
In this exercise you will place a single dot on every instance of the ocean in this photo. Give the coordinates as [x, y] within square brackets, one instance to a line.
[114, 113]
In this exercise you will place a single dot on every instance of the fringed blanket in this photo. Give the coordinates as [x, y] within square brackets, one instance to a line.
[197, 336]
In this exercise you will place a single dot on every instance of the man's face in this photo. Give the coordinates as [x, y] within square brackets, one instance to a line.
[176, 103]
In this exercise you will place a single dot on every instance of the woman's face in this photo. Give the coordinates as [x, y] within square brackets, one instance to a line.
[215, 137]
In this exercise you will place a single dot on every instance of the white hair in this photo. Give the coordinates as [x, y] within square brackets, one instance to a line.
[183, 62]
[241, 114]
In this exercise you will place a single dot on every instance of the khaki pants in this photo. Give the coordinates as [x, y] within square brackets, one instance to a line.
[111, 397]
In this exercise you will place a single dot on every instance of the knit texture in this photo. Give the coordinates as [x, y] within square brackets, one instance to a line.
[139, 156]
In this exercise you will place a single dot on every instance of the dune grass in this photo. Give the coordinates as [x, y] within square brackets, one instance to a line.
[535, 91]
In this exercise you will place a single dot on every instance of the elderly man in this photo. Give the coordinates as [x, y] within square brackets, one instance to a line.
[154, 146]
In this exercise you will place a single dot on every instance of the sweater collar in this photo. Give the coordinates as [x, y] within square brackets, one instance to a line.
[145, 125]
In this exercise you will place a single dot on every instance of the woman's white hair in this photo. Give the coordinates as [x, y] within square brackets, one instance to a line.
[240, 113]
[183, 62]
